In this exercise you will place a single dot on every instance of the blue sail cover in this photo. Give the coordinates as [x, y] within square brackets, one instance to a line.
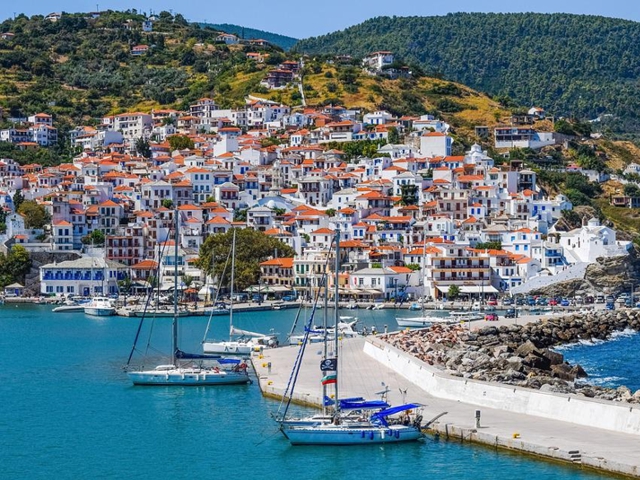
[195, 356]
[363, 405]
[203, 356]
[382, 414]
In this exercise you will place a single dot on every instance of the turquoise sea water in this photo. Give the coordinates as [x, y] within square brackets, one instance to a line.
[68, 411]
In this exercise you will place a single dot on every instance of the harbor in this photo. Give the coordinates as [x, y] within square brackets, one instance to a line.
[579, 445]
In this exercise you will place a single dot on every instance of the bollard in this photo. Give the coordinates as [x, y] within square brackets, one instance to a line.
[386, 329]
[269, 367]
[477, 418]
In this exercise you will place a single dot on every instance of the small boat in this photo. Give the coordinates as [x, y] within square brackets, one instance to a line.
[466, 316]
[100, 307]
[69, 308]
[181, 371]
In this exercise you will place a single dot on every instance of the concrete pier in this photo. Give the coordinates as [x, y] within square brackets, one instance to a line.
[579, 445]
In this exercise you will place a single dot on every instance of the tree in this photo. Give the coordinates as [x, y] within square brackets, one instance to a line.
[143, 148]
[35, 216]
[631, 190]
[453, 292]
[95, 238]
[18, 198]
[252, 248]
[409, 194]
[167, 203]
[180, 142]
[124, 287]
[393, 136]
[18, 263]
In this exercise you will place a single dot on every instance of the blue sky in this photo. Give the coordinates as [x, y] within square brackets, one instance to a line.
[303, 18]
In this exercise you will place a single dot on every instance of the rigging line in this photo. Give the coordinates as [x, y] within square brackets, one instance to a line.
[215, 300]
[144, 312]
[298, 362]
[295, 321]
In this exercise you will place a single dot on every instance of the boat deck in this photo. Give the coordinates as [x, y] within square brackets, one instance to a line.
[582, 446]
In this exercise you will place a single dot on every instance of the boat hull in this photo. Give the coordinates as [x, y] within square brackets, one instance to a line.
[338, 435]
[414, 322]
[227, 348]
[190, 378]
[68, 309]
[99, 312]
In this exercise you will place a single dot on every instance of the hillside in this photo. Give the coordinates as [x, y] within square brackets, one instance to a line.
[81, 68]
[572, 65]
[281, 41]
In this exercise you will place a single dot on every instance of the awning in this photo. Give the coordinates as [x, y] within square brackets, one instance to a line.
[478, 289]
[469, 289]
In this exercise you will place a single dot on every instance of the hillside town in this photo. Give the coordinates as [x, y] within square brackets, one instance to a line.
[414, 220]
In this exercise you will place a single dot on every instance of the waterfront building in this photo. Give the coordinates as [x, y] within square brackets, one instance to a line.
[85, 276]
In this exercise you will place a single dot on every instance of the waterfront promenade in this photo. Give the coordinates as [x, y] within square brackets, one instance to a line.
[583, 446]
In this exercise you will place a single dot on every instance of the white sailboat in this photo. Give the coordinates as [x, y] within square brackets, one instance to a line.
[190, 374]
[231, 347]
[370, 424]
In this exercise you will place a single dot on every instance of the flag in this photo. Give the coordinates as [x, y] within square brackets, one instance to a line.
[329, 379]
[329, 364]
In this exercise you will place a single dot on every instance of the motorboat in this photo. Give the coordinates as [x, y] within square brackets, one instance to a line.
[100, 307]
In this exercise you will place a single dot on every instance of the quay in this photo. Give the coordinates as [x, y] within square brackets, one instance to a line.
[583, 446]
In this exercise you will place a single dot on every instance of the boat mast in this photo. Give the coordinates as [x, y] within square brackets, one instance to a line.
[424, 267]
[337, 315]
[174, 325]
[325, 325]
[233, 271]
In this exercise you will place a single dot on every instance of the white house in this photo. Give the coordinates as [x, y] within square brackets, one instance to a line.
[587, 243]
[377, 60]
[435, 144]
[86, 276]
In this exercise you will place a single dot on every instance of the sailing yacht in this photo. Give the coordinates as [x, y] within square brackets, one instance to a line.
[222, 371]
[371, 424]
[231, 347]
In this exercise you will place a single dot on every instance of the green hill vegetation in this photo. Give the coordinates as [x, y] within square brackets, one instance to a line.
[81, 68]
[572, 65]
[281, 41]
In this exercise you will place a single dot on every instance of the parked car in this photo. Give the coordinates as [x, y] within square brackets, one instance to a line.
[531, 301]
[564, 302]
[589, 299]
[628, 303]
[492, 302]
[491, 317]
[507, 302]
[288, 298]
[600, 299]
[553, 302]
[510, 313]
[520, 301]
[610, 306]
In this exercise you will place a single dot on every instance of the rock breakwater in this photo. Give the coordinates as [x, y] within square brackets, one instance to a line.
[521, 355]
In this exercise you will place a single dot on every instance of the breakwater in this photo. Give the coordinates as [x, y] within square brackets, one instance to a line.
[521, 355]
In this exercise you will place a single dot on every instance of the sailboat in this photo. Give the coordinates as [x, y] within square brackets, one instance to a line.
[353, 421]
[222, 371]
[231, 347]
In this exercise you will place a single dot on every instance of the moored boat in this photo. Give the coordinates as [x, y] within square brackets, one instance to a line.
[100, 307]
